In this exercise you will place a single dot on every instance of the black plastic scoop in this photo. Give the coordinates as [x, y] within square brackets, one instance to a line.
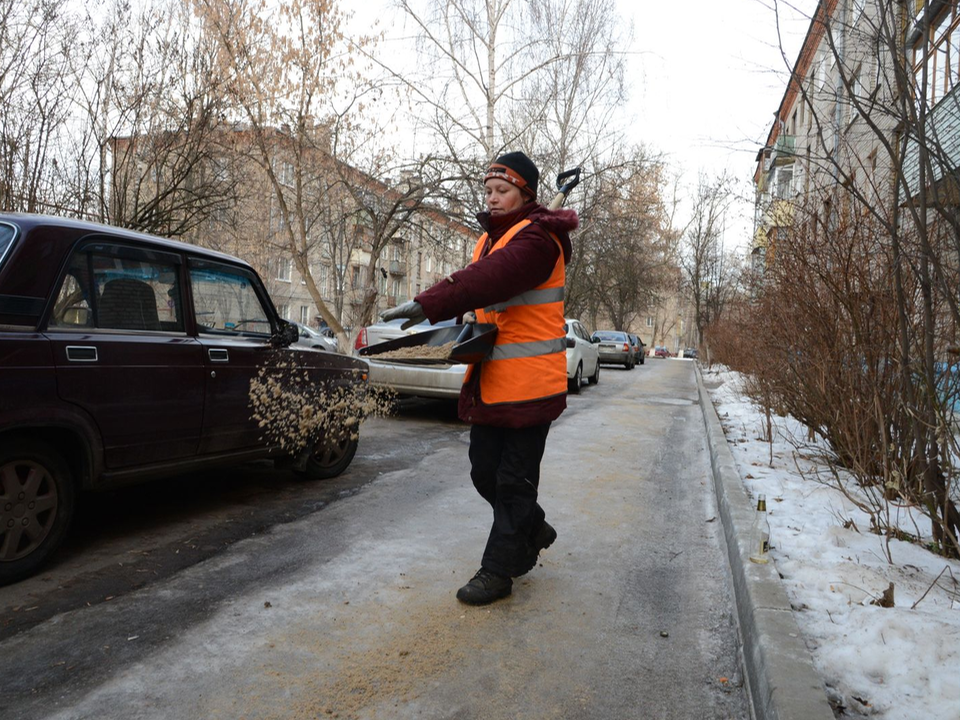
[473, 343]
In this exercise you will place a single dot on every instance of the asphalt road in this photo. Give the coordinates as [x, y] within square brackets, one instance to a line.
[250, 594]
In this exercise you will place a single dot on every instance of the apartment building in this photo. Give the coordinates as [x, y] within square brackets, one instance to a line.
[870, 117]
[866, 140]
[354, 256]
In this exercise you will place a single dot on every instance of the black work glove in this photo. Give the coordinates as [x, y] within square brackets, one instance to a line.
[411, 310]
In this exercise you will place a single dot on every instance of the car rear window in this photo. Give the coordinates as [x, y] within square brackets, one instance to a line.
[7, 233]
[606, 335]
[115, 287]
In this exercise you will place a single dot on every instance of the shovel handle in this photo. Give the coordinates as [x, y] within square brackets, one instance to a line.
[566, 181]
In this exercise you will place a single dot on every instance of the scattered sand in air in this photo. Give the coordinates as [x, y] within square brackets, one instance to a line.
[424, 352]
[293, 410]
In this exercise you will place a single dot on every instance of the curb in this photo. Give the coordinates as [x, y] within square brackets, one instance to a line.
[781, 680]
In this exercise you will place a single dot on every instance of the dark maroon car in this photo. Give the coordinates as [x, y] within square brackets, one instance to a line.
[125, 357]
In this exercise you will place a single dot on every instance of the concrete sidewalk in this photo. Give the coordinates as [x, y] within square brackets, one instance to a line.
[782, 680]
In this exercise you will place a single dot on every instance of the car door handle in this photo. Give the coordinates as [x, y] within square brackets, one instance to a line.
[219, 355]
[81, 353]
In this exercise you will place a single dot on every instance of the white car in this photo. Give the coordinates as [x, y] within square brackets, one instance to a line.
[583, 358]
[441, 380]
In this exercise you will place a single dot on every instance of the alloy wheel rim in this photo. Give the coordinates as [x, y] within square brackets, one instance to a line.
[28, 508]
[330, 452]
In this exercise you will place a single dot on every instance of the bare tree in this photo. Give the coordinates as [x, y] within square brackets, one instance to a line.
[863, 155]
[35, 93]
[711, 272]
[620, 253]
[283, 65]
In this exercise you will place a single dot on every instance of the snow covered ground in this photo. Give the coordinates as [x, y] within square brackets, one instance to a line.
[895, 663]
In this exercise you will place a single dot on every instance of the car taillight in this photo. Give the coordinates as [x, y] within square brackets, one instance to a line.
[361, 339]
[626, 348]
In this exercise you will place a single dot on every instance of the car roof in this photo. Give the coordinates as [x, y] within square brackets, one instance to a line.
[29, 222]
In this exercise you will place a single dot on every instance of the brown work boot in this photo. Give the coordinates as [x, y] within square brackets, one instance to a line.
[484, 588]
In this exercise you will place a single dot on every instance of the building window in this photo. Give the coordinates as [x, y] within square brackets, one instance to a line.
[324, 281]
[283, 269]
[938, 55]
[649, 321]
[285, 172]
[785, 181]
[856, 94]
[857, 10]
[304, 314]
[284, 311]
[355, 277]
[429, 263]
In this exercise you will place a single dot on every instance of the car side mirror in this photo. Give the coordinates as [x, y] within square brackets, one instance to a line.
[571, 342]
[286, 335]
[595, 340]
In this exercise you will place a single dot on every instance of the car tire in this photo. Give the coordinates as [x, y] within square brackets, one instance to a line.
[595, 378]
[37, 492]
[328, 459]
[573, 385]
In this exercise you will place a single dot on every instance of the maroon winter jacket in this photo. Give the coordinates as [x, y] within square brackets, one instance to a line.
[523, 264]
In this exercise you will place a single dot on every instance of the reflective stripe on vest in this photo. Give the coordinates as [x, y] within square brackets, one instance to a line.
[528, 360]
[531, 297]
[528, 349]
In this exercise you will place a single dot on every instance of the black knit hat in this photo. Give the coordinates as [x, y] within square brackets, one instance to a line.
[518, 169]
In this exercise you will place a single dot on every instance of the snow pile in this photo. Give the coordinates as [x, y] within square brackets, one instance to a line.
[896, 663]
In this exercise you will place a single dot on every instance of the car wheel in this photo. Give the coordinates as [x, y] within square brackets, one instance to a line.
[643, 359]
[330, 457]
[595, 378]
[628, 365]
[573, 385]
[37, 502]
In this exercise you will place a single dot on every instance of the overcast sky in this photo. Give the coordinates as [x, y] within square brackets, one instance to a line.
[706, 78]
[709, 76]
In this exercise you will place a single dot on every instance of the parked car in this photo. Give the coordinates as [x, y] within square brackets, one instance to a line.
[315, 339]
[583, 356]
[690, 353]
[125, 357]
[440, 380]
[661, 352]
[615, 348]
[639, 349]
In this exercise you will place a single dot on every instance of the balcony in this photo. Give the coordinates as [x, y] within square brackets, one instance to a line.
[785, 150]
[397, 268]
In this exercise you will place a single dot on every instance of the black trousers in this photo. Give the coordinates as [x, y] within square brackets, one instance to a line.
[505, 469]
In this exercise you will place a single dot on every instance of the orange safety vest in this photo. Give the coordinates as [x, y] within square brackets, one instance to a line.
[528, 360]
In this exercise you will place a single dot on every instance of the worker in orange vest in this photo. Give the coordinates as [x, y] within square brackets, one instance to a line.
[516, 280]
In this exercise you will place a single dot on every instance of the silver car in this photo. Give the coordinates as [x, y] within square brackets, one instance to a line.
[615, 347]
[314, 339]
[441, 380]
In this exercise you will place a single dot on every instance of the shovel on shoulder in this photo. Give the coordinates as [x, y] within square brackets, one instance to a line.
[566, 181]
